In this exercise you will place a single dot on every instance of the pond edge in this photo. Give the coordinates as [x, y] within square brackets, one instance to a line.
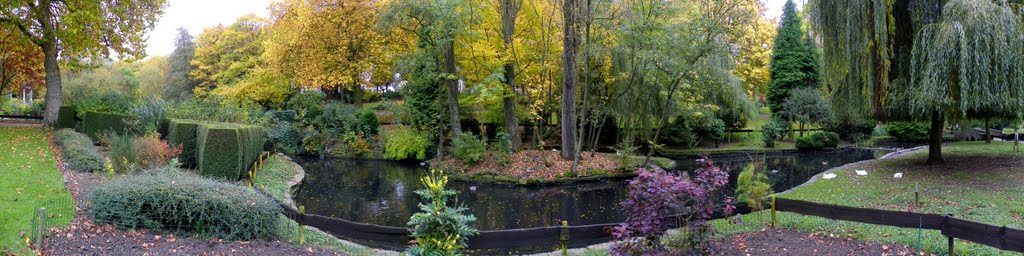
[890, 155]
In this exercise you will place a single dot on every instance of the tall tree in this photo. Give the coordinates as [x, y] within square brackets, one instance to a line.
[570, 44]
[794, 63]
[68, 30]
[509, 14]
[179, 83]
[755, 45]
[21, 62]
[224, 55]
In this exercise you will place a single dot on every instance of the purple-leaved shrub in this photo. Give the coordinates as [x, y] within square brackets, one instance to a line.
[655, 196]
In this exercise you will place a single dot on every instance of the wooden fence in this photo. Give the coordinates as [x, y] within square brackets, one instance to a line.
[999, 237]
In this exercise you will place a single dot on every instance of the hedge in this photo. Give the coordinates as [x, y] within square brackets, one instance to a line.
[95, 124]
[227, 150]
[818, 141]
[65, 117]
[183, 132]
[78, 151]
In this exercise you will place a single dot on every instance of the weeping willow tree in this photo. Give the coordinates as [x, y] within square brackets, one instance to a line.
[968, 65]
[870, 47]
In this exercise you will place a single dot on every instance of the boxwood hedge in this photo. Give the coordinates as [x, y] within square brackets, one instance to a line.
[95, 124]
[183, 132]
[227, 150]
[65, 117]
[171, 200]
[78, 151]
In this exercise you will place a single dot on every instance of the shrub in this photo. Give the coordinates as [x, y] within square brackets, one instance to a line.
[439, 229]
[355, 145]
[469, 147]
[773, 131]
[212, 111]
[122, 153]
[818, 141]
[226, 151]
[502, 143]
[65, 117]
[716, 128]
[106, 102]
[78, 151]
[153, 152]
[855, 130]
[908, 132]
[307, 105]
[679, 132]
[183, 132]
[367, 123]
[96, 123]
[655, 195]
[149, 116]
[751, 186]
[168, 199]
[403, 142]
[285, 137]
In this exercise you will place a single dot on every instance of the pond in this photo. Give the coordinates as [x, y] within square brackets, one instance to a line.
[382, 192]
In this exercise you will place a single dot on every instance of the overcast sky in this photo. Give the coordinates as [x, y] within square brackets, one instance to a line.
[195, 15]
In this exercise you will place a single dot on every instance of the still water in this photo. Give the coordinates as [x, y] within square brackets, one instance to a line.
[382, 192]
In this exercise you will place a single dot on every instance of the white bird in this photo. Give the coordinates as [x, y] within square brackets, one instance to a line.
[472, 188]
[828, 176]
[775, 171]
[898, 175]
[862, 172]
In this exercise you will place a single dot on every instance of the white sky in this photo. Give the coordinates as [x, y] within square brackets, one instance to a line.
[195, 15]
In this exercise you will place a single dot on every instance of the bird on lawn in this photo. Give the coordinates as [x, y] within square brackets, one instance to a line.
[829, 176]
[862, 172]
[898, 175]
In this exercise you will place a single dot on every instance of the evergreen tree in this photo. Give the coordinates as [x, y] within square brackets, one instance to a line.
[179, 83]
[794, 59]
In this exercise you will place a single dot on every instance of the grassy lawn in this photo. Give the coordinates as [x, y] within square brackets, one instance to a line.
[979, 182]
[273, 178]
[30, 180]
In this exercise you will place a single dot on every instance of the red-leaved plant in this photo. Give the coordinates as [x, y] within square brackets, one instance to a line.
[657, 198]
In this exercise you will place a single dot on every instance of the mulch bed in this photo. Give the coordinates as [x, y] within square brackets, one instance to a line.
[83, 237]
[544, 165]
[792, 242]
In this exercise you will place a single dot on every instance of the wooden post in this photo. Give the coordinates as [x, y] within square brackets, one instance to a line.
[773, 210]
[563, 237]
[917, 197]
[302, 229]
[41, 229]
[950, 239]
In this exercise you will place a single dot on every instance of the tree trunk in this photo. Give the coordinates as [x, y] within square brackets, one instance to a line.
[935, 140]
[357, 94]
[988, 133]
[510, 10]
[801, 129]
[54, 92]
[570, 42]
[453, 88]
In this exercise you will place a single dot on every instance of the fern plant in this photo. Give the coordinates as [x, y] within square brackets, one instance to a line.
[439, 229]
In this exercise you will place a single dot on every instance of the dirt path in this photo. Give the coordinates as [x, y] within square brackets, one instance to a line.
[791, 242]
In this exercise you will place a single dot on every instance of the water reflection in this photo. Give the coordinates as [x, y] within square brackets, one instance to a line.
[382, 192]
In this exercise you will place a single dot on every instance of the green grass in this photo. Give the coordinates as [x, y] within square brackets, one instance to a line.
[979, 182]
[30, 180]
[273, 178]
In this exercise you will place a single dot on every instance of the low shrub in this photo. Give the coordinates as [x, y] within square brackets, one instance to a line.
[855, 130]
[774, 130]
[149, 116]
[367, 122]
[167, 199]
[438, 228]
[95, 124]
[129, 153]
[818, 141]
[78, 151]
[751, 186]
[285, 137]
[908, 132]
[403, 142]
[716, 130]
[469, 147]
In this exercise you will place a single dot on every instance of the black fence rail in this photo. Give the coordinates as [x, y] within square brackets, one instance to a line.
[1003, 238]
[21, 117]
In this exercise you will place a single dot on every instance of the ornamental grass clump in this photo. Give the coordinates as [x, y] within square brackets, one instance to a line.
[171, 200]
[439, 229]
[656, 195]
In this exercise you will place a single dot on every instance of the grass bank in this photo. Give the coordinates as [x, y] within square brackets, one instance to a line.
[30, 180]
[273, 178]
[979, 182]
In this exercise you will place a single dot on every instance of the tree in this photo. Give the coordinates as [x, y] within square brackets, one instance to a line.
[867, 53]
[179, 82]
[968, 65]
[805, 105]
[794, 64]
[20, 61]
[509, 13]
[225, 55]
[329, 45]
[74, 29]
[755, 45]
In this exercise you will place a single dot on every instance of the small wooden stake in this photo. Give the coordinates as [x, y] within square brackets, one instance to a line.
[564, 238]
[41, 229]
[773, 210]
[917, 197]
[950, 245]
[302, 229]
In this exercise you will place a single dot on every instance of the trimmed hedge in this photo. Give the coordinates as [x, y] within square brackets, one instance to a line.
[78, 151]
[183, 132]
[226, 151]
[65, 117]
[908, 131]
[95, 124]
[168, 199]
[818, 141]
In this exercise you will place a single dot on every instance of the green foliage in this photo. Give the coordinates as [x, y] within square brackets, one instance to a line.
[95, 124]
[78, 151]
[716, 128]
[214, 111]
[818, 141]
[853, 130]
[752, 186]
[226, 151]
[183, 132]
[502, 143]
[367, 123]
[168, 199]
[774, 130]
[285, 137]
[149, 116]
[805, 105]
[179, 84]
[679, 132]
[403, 142]
[308, 106]
[438, 228]
[794, 61]
[908, 131]
[130, 153]
[469, 147]
[65, 117]
[122, 153]
[107, 102]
